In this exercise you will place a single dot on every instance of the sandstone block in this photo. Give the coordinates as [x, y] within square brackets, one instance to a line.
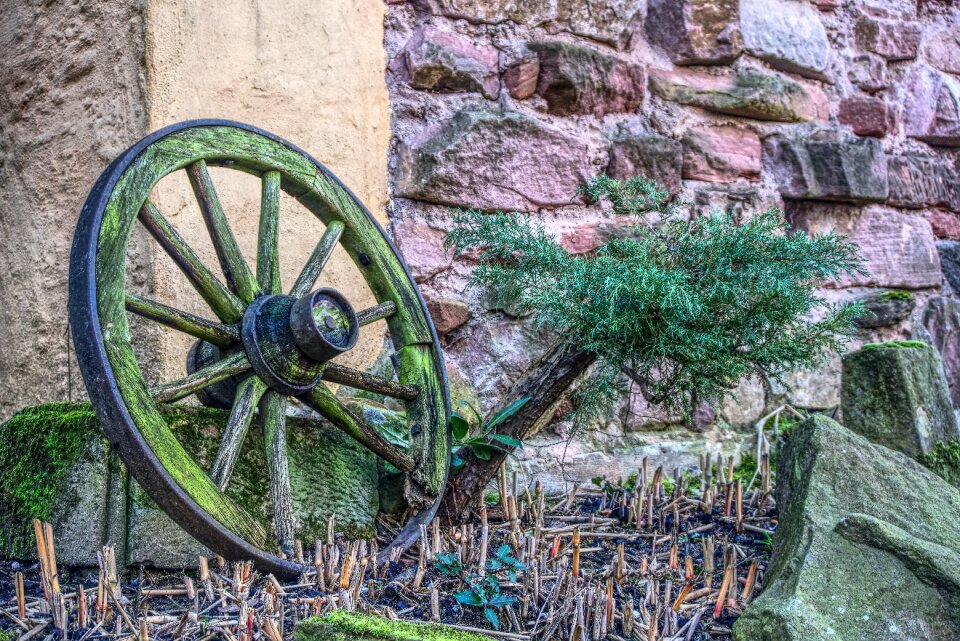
[635, 151]
[868, 72]
[520, 78]
[923, 181]
[65, 473]
[721, 154]
[866, 116]
[422, 248]
[787, 34]
[899, 249]
[856, 517]
[442, 61]
[745, 404]
[891, 39]
[896, 395]
[749, 93]
[945, 224]
[941, 320]
[581, 239]
[612, 22]
[942, 50]
[885, 309]
[575, 79]
[695, 32]
[448, 314]
[522, 12]
[488, 160]
[932, 114]
[848, 170]
[949, 252]
[815, 388]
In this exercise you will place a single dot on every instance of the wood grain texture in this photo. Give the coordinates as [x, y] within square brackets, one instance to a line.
[318, 258]
[182, 387]
[375, 313]
[221, 300]
[217, 333]
[249, 393]
[356, 379]
[273, 419]
[234, 266]
[321, 399]
[268, 237]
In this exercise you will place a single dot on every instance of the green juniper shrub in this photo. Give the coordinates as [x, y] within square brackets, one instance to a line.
[686, 306]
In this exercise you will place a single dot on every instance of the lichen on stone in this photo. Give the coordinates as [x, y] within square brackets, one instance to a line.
[340, 625]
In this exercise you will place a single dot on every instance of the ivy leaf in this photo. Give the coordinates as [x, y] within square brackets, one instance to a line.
[469, 597]
[492, 617]
[501, 601]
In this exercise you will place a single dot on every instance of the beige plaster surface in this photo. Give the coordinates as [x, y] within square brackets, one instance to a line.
[83, 79]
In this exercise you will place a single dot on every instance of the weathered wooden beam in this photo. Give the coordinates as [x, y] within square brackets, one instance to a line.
[249, 393]
[216, 333]
[221, 300]
[238, 274]
[375, 313]
[219, 371]
[321, 254]
[369, 382]
[273, 419]
[268, 239]
[321, 399]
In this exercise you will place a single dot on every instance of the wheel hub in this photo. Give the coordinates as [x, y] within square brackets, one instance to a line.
[288, 340]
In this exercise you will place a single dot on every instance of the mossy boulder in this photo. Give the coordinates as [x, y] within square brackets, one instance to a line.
[868, 546]
[55, 465]
[896, 394]
[353, 626]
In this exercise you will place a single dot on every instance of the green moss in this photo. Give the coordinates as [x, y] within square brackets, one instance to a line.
[900, 344]
[353, 626]
[896, 294]
[7, 636]
[944, 459]
[37, 447]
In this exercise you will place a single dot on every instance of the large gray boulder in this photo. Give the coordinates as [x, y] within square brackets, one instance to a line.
[896, 394]
[868, 546]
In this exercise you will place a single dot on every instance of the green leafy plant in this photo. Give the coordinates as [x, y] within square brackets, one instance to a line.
[504, 561]
[484, 439]
[448, 563]
[684, 307]
[485, 593]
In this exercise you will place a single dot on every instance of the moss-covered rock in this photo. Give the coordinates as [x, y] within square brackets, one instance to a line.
[896, 394]
[55, 465]
[867, 548]
[353, 626]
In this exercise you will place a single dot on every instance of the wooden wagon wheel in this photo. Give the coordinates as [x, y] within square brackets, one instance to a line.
[265, 347]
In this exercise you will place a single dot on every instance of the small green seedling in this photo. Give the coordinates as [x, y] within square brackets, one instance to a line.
[503, 560]
[485, 593]
[448, 564]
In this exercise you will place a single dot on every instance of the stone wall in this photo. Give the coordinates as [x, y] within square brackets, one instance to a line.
[846, 115]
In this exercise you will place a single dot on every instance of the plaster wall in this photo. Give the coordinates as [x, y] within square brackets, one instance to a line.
[82, 80]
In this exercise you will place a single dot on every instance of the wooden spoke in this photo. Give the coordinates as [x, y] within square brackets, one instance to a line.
[321, 254]
[216, 333]
[221, 370]
[369, 382]
[321, 399]
[273, 418]
[249, 393]
[235, 268]
[268, 240]
[221, 300]
[375, 313]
